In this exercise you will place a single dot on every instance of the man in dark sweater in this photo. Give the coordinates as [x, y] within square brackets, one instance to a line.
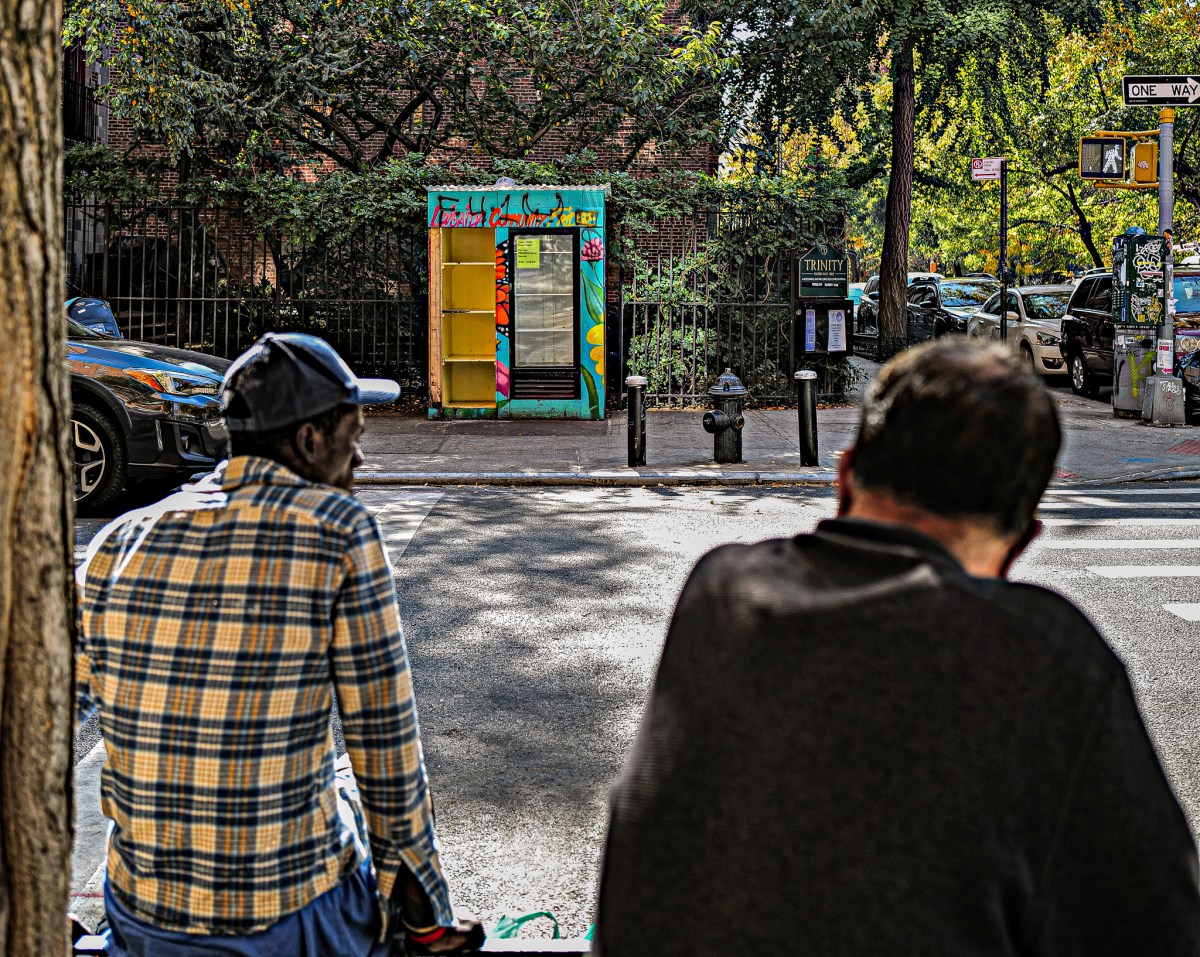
[865, 741]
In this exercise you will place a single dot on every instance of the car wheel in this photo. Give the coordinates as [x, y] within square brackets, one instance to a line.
[99, 456]
[1028, 356]
[1082, 381]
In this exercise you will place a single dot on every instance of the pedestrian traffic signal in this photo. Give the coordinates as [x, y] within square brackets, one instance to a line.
[1102, 157]
[1145, 163]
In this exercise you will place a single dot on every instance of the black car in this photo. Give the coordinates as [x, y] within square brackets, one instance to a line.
[140, 411]
[943, 306]
[1088, 330]
[1087, 335]
[866, 313]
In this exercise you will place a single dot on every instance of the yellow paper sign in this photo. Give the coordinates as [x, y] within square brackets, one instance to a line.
[529, 253]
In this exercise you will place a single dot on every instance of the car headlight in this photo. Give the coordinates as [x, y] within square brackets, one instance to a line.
[1046, 339]
[175, 383]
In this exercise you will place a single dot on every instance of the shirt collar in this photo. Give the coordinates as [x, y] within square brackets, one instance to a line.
[252, 470]
[866, 533]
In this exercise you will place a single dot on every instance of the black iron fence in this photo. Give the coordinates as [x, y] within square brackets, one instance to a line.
[704, 300]
[696, 297]
[208, 278]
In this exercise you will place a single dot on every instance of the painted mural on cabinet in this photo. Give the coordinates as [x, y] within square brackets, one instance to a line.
[548, 314]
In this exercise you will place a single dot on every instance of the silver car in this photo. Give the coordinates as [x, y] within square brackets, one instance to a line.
[1033, 314]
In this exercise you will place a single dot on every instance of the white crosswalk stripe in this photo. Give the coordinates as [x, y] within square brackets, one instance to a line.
[1084, 522]
[1188, 611]
[1104, 544]
[1190, 491]
[1145, 571]
[1152, 512]
[1092, 501]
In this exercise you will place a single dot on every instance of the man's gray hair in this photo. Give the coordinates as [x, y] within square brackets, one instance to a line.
[960, 430]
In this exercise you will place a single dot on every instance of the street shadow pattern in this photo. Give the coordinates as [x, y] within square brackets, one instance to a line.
[535, 620]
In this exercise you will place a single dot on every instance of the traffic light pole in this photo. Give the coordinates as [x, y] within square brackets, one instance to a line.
[1167, 408]
[1166, 213]
[1004, 249]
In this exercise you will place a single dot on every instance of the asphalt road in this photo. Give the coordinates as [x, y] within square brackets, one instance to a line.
[535, 618]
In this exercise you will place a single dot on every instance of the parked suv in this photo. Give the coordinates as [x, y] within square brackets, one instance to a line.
[1087, 335]
[140, 411]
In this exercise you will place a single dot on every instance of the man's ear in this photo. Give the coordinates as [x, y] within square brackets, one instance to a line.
[845, 481]
[305, 443]
[1033, 530]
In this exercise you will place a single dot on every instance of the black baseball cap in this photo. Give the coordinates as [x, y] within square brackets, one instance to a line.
[288, 377]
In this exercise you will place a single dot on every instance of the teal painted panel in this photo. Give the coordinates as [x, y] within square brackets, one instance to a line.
[591, 320]
[547, 409]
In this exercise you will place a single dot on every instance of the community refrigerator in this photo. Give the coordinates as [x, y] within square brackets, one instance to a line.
[516, 301]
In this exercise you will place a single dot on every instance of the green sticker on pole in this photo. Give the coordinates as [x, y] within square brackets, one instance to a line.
[529, 253]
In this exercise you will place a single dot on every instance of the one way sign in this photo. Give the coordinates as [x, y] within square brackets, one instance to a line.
[1160, 90]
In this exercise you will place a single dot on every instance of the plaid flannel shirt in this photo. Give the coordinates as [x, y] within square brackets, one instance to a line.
[214, 628]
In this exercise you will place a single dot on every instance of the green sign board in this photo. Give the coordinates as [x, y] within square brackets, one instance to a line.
[823, 272]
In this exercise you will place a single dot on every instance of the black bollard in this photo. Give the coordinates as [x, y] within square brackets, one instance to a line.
[806, 402]
[636, 384]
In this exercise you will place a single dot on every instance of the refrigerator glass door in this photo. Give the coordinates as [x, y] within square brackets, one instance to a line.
[544, 301]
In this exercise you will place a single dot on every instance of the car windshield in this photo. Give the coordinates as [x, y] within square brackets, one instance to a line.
[77, 330]
[1187, 294]
[967, 293]
[1046, 305]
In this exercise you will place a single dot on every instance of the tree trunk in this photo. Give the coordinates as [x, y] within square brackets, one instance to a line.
[35, 508]
[893, 266]
[1085, 227]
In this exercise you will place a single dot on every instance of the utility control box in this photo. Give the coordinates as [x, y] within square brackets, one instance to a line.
[1138, 283]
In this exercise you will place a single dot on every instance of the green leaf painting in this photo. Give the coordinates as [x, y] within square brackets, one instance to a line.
[593, 294]
[593, 394]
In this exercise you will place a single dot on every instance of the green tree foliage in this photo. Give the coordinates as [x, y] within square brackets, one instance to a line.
[805, 60]
[267, 83]
[1058, 223]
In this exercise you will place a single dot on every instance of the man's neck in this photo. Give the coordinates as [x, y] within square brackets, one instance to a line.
[981, 551]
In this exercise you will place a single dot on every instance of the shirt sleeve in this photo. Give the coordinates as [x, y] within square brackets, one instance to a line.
[1121, 874]
[379, 721]
[87, 693]
[86, 696]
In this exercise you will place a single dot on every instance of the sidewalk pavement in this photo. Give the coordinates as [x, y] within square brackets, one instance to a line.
[412, 450]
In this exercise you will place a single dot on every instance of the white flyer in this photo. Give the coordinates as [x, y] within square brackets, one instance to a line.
[1166, 357]
[837, 330]
[810, 330]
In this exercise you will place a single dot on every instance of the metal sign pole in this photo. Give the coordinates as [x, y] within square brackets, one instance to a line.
[1166, 215]
[1004, 249]
[1167, 407]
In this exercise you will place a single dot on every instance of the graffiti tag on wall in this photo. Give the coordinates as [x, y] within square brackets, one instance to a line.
[542, 210]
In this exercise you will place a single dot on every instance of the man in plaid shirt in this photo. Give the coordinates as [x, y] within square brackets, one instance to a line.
[215, 628]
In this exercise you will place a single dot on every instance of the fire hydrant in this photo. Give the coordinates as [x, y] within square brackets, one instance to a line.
[725, 421]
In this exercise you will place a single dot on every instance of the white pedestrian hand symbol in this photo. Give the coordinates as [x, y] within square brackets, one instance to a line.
[1112, 158]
